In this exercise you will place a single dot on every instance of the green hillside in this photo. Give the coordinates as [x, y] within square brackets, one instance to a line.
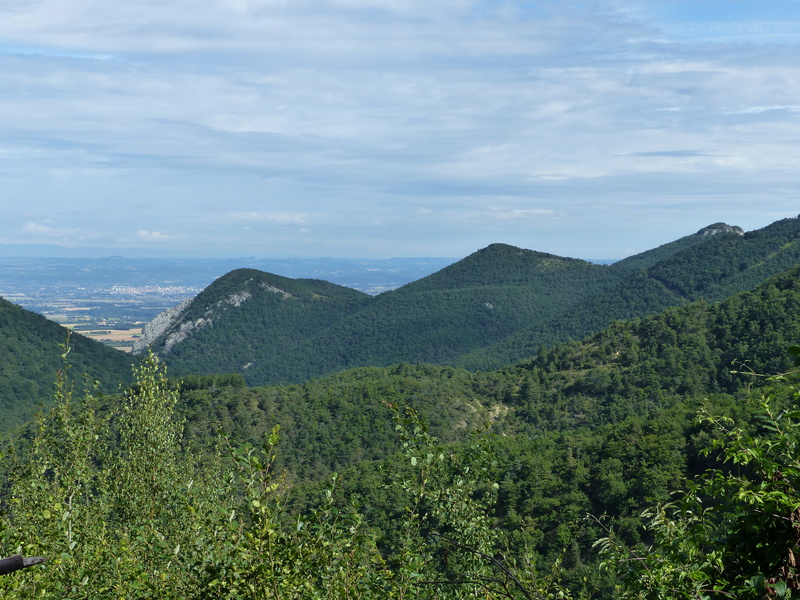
[703, 266]
[649, 258]
[30, 356]
[501, 264]
[470, 304]
[605, 426]
[491, 309]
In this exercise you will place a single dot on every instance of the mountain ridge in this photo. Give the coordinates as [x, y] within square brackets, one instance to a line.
[696, 267]
[492, 308]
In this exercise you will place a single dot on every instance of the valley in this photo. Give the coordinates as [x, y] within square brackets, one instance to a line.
[110, 299]
[112, 315]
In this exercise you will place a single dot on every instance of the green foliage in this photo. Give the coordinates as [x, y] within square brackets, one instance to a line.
[339, 421]
[145, 462]
[736, 530]
[29, 355]
[121, 511]
[255, 553]
[449, 545]
[99, 515]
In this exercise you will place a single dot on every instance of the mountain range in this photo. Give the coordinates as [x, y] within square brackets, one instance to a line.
[603, 423]
[493, 308]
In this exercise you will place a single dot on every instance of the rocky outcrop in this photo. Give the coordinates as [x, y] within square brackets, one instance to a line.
[169, 322]
[155, 328]
[184, 331]
[271, 288]
[236, 299]
[718, 228]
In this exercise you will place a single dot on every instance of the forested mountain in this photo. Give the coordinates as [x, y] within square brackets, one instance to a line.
[30, 356]
[602, 426]
[248, 320]
[491, 309]
[605, 426]
[716, 262]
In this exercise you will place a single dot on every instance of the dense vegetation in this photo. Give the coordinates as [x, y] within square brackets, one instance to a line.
[602, 426]
[491, 309]
[557, 477]
[139, 497]
[29, 356]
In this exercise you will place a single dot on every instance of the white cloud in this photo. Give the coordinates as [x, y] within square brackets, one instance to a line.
[45, 231]
[507, 214]
[346, 113]
[153, 236]
[292, 219]
[753, 110]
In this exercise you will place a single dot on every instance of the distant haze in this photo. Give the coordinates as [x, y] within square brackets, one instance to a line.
[58, 278]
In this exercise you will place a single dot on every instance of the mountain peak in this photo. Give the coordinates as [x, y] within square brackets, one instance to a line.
[507, 250]
[498, 247]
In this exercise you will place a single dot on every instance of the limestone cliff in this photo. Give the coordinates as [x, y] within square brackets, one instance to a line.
[176, 324]
[152, 330]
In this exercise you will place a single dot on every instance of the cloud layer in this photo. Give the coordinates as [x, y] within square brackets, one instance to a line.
[394, 127]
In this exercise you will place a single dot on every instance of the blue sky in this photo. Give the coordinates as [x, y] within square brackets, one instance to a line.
[379, 128]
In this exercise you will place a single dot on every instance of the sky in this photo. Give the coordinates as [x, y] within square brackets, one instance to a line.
[394, 128]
